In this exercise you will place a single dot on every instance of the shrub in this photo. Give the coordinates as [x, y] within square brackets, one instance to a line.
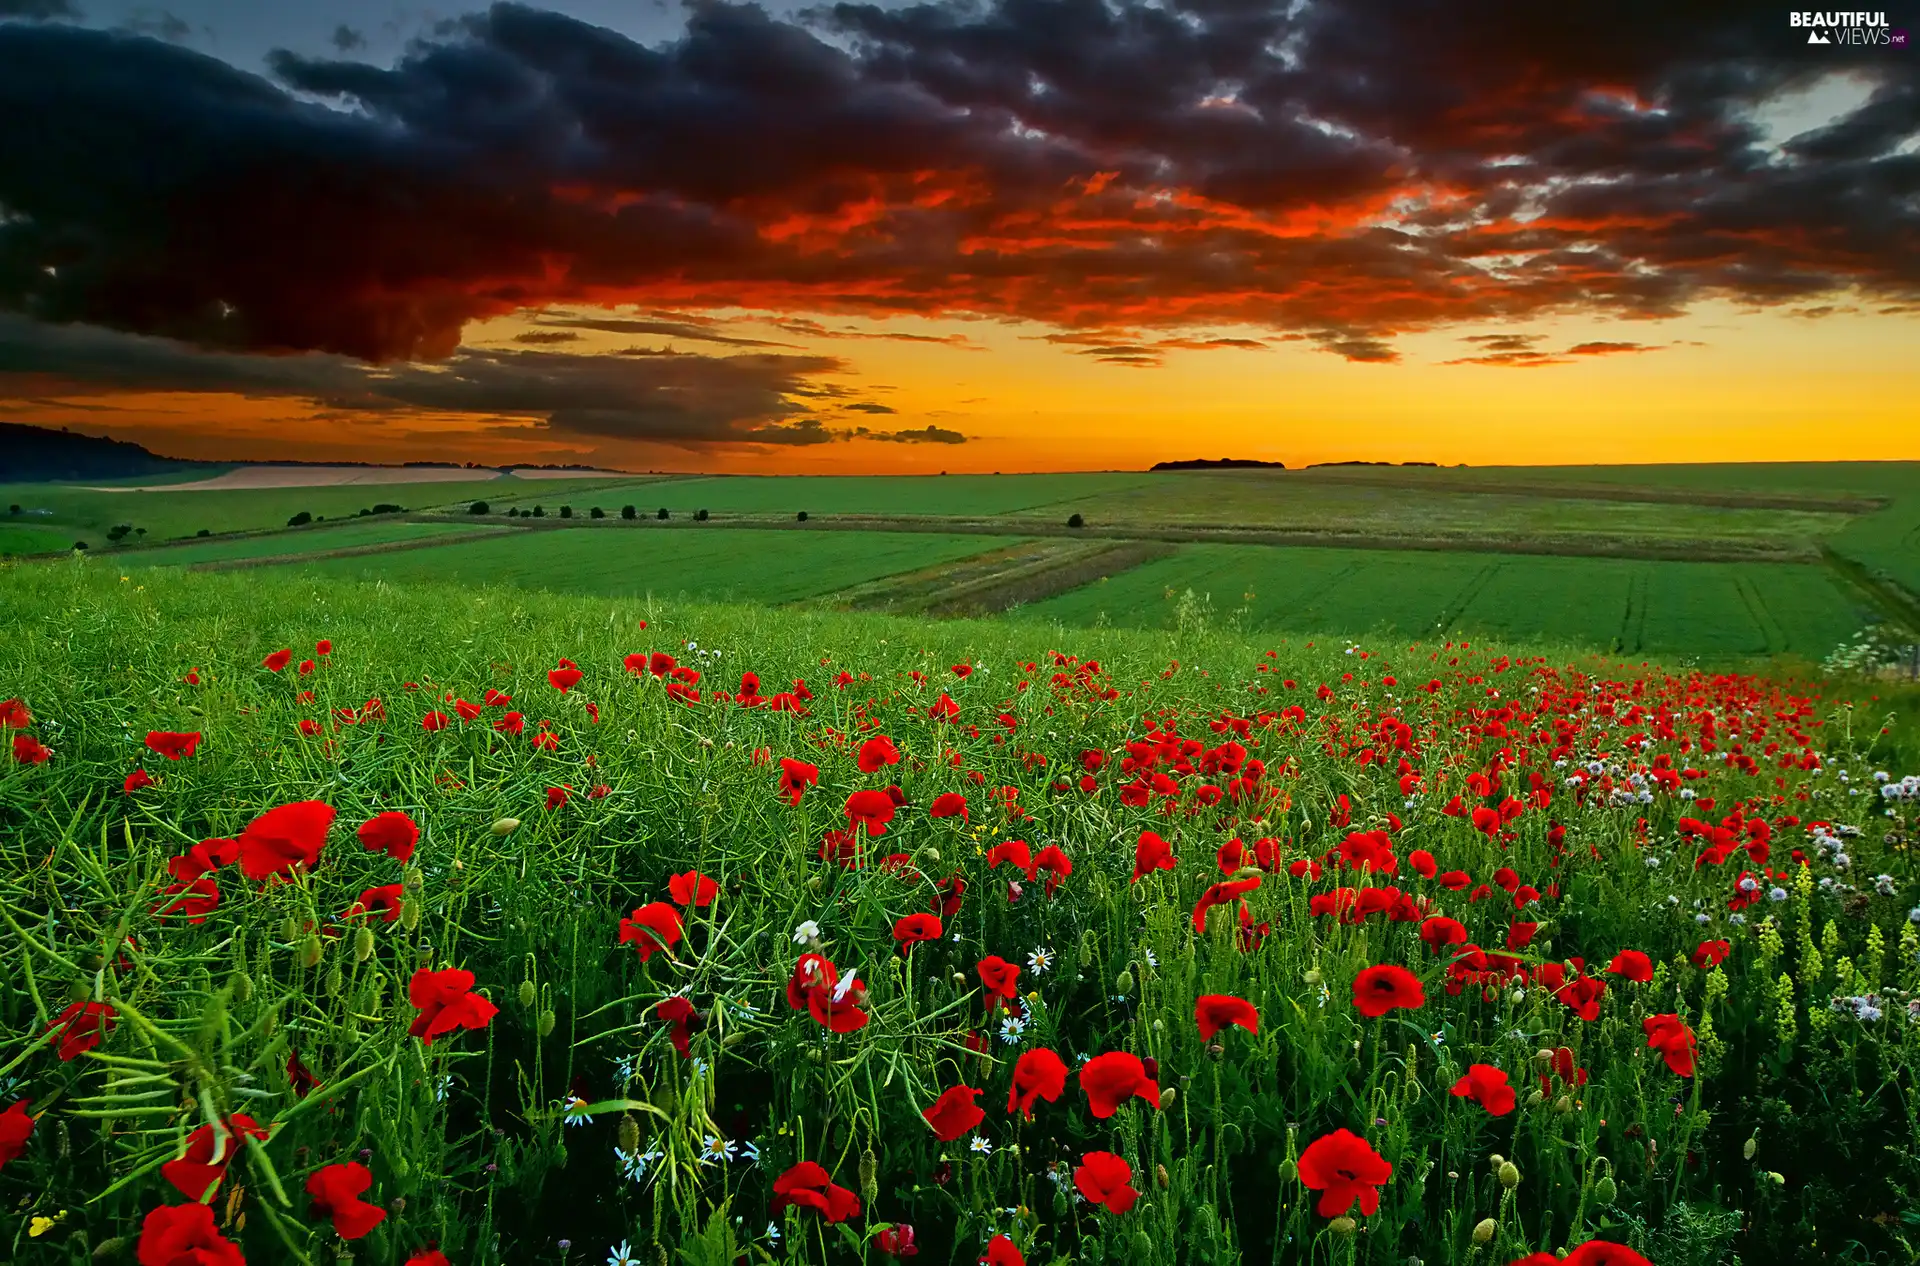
[596, 513]
[1075, 521]
[663, 513]
[802, 516]
[539, 512]
[300, 520]
[118, 532]
[79, 544]
[478, 507]
[204, 532]
[629, 512]
[699, 516]
[14, 508]
[387, 507]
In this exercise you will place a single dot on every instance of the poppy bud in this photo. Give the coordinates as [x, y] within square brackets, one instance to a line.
[527, 993]
[629, 1137]
[1151, 1067]
[1563, 1105]
[1160, 1176]
[1509, 1175]
[506, 826]
[398, 1204]
[1752, 1146]
[546, 1023]
[1779, 1180]
[363, 944]
[311, 951]
[412, 880]
[1142, 1246]
[1543, 1060]
[110, 1249]
[1288, 1170]
[242, 986]
[659, 1254]
[1313, 977]
[1167, 1097]
[1086, 948]
[1216, 1050]
[1606, 1191]
[1535, 1099]
[1483, 1231]
[931, 856]
[288, 929]
[1159, 1026]
[869, 1177]
[960, 979]
[410, 914]
[813, 885]
[1123, 983]
[1343, 1225]
[336, 980]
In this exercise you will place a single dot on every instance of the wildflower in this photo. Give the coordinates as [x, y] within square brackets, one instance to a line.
[809, 1186]
[16, 1126]
[1011, 1029]
[1039, 961]
[1038, 1074]
[1002, 1251]
[172, 745]
[1106, 1180]
[917, 927]
[693, 889]
[999, 977]
[1214, 1011]
[1675, 1041]
[185, 1233]
[446, 1001]
[678, 1013]
[980, 1146]
[621, 1255]
[1151, 853]
[204, 1163]
[1486, 1086]
[1380, 989]
[876, 754]
[1632, 965]
[28, 750]
[576, 1111]
[795, 777]
[81, 1026]
[651, 928]
[715, 1150]
[1112, 1079]
[954, 1113]
[950, 804]
[807, 931]
[278, 660]
[1345, 1169]
[392, 833]
[870, 809]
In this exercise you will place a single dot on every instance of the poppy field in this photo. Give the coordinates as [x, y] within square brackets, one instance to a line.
[434, 924]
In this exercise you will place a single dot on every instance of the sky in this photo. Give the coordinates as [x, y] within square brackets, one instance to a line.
[964, 235]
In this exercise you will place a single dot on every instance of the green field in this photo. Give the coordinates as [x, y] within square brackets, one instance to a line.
[787, 495]
[1706, 609]
[306, 540]
[710, 563]
[27, 538]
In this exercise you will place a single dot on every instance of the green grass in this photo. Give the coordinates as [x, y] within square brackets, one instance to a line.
[709, 562]
[1704, 609]
[787, 495]
[307, 540]
[27, 538]
[1788, 1137]
[84, 514]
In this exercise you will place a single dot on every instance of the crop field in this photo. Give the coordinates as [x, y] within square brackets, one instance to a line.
[713, 563]
[308, 540]
[954, 495]
[455, 924]
[1707, 609]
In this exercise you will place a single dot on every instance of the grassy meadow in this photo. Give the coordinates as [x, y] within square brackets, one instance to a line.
[713, 933]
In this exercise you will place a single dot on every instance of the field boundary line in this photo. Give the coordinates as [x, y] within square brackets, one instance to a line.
[345, 551]
[1891, 599]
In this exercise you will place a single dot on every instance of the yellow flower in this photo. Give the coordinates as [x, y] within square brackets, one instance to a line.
[41, 1224]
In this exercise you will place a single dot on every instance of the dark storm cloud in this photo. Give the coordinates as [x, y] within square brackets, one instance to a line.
[868, 406]
[675, 328]
[37, 10]
[928, 434]
[663, 398]
[1338, 171]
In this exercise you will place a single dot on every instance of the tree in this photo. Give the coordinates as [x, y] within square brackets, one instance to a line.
[699, 516]
[478, 507]
[566, 512]
[1075, 521]
[14, 508]
[596, 513]
[118, 532]
[629, 512]
[204, 532]
[300, 520]
[802, 517]
[663, 513]
[539, 512]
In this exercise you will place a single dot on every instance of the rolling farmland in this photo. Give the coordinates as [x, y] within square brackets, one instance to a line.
[312, 540]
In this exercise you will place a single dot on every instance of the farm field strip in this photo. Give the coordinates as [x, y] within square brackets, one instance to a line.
[294, 542]
[998, 579]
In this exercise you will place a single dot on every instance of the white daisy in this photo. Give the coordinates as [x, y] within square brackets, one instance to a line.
[1040, 960]
[980, 1146]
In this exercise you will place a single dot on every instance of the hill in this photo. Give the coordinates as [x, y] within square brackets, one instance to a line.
[1219, 463]
[33, 454]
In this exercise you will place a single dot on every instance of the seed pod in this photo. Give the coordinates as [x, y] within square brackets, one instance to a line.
[629, 1139]
[1483, 1231]
[1563, 1105]
[1606, 1191]
[311, 951]
[932, 855]
[1123, 983]
[1142, 1247]
[1752, 1146]
[1343, 1225]
[410, 914]
[242, 986]
[527, 993]
[1543, 1060]
[733, 1038]
[412, 880]
[363, 944]
[1509, 1175]
[546, 1023]
[1086, 948]
[506, 826]
[1288, 1170]
[869, 1177]
[288, 929]
[1536, 1098]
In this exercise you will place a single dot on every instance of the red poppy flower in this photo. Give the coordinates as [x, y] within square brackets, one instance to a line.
[1440, 932]
[1344, 1168]
[1671, 1036]
[557, 796]
[138, 780]
[679, 1013]
[1038, 1074]
[1383, 988]
[651, 928]
[446, 1001]
[278, 660]
[511, 723]
[16, 1126]
[1633, 965]
[565, 677]
[1002, 1251]
[1112, 1079]
[205, 856]
[1151, 853]
[195, 898]
[282, 838]
[1520, 935]
[870, 809]
[1710, 953]
[14, 715]
[1056, 863]
[692, 888]
[336, 1194]
[204, 1163]
[944, 708]
[185, 1235]
[1220, 894]
[876, 754]
[896, 1241]
[795, 777]
[383, 901]
[1105, 1179]
[392, 833]
[82, 1025]
[918, 927]
[954, 1113]
[949, 804]
[171, 745]
[28, 750]
[809, 1186]
[1014, 851]
[434, 722]
[300, 1076]
[429, 1257]
[999, 976]
[1214, 1011]
[1601, 1253]
[1486, 1086]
